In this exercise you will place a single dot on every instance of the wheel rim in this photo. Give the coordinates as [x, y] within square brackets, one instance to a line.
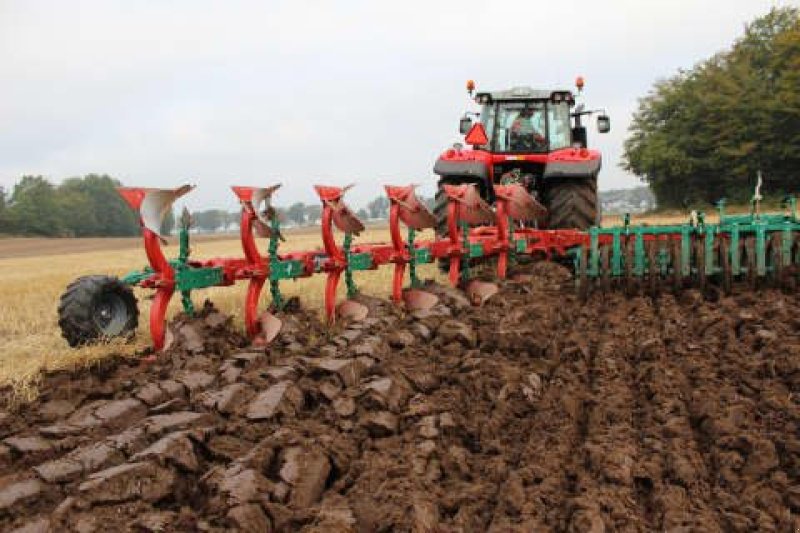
[110, 314]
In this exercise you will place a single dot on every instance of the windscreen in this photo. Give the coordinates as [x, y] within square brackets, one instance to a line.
[527, 126]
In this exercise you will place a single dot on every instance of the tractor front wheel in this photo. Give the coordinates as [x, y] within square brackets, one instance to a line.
[96, 308]
[572, 203]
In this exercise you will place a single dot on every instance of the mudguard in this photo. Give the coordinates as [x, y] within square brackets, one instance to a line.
[564, 169]
[473, 171]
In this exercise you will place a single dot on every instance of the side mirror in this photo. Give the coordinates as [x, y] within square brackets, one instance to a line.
[603, 124]
[464, 125]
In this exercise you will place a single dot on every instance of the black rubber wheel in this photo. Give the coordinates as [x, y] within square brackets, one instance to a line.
[572, 203]
[96, 308]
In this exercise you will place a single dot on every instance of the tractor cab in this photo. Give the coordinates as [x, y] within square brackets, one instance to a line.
[523, 120]
[535, 137]
[530, 122]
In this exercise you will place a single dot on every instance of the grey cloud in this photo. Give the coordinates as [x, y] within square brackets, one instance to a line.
[301, 92]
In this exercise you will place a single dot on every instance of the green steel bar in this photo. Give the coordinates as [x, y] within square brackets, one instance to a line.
[274, 270]
[512, 248]
[686, 251]
[352, 290]
[594, 253]
[616, 253]
[412, 262]
[183, 246]
[186, 301]
[761, 249]
[639, 253]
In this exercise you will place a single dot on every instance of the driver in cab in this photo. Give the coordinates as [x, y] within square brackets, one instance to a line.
[524, 135]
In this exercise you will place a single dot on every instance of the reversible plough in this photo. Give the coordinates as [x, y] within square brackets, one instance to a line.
[751, 247]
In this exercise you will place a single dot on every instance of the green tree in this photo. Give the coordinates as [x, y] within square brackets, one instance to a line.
[297, 213]
[706, 132]
[35, 209]
[168, 224]
[313, 213]
[379, 207]
[210, 220]
[4, 226]
[99, 210]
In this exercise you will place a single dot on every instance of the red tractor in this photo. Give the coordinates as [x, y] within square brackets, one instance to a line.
[530, 136]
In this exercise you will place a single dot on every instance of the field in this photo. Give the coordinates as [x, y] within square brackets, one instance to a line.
[536, 412]
[34, 272]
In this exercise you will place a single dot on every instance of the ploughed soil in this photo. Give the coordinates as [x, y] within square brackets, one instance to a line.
[534, 412]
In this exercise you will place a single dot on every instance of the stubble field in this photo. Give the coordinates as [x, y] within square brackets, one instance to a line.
[34, 273]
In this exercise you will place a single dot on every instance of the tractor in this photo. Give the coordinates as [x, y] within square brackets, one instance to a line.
[534, 137]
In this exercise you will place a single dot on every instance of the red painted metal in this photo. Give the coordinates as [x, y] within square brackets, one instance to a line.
[256, 268]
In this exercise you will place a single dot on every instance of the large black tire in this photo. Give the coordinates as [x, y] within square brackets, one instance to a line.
[440, 213]
[572, 203]
[96, 308]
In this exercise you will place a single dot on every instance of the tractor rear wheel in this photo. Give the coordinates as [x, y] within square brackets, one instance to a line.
[440, 213]
[572, 203]
[96, 308]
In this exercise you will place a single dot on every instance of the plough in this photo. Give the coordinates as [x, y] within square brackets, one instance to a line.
[110, 311]
[751, 247]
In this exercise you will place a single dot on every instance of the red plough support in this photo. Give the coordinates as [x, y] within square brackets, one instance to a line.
[405, 207]
[152, 205]
[253, 218]
[336, 213]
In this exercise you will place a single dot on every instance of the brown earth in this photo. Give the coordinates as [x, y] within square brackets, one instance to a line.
[533, 413]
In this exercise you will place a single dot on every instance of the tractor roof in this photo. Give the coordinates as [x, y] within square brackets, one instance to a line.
[523, 93]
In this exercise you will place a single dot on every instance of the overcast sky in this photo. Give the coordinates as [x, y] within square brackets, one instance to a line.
[158, 93]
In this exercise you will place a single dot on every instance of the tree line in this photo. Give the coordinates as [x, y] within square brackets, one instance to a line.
[89, 206]
[706, 132]
[77, 207]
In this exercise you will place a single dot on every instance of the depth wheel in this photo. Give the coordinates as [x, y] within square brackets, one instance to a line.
[97, 308]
